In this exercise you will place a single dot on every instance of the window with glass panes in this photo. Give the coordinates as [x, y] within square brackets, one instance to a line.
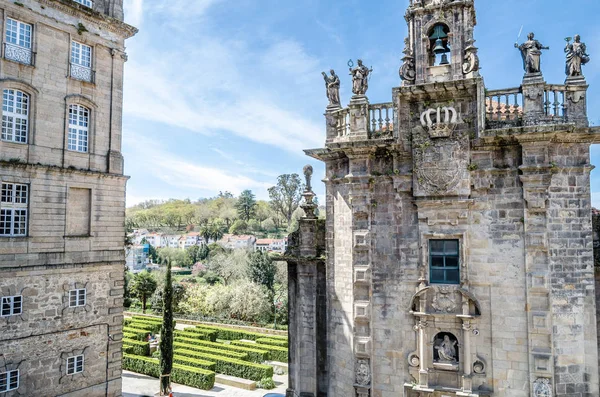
[444, 262]
[87, 3]
[9, 381]
[79, 119]
[11, 306]
[81, 54]
[77, 297]
[74, 365]
[15, 115]
[13, 209]
[18, 33]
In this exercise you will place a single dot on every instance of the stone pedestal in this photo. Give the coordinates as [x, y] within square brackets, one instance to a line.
[533, 98]
[576, 101]
[359, 117]
[331, 120]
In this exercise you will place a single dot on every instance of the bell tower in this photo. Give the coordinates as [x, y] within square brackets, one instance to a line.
[440, 41]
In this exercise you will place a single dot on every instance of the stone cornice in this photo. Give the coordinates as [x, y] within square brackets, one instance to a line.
[57, 169]
[111, 24]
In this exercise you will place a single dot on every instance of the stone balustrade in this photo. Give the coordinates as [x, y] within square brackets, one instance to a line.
[382, 116]
[504, 105]
[380, 121]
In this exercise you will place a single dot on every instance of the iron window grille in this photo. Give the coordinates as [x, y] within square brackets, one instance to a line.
[444, 262]
[81, 62]
[77, 297]
[13, 210]
[79, 119]
[74, 365]
[15, 116]
[9, 381]
[11, 306]
[18, 42]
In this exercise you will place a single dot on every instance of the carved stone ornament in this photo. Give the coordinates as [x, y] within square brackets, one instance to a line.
[471, 60]
[414, 360]
[363, 373]
[442, 301]
[533, 93]
[446, 349]
[443, 126]
[542, 388]
[478, 367]
[407, 70]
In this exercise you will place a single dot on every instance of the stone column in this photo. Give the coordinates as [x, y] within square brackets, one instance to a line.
[359, 117]
[423, 372]
[467, 360]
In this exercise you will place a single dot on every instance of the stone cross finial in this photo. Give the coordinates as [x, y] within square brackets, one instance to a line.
[308, 171]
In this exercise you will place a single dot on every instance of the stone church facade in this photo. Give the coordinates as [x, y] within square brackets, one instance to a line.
[456, 258]
[63, 197]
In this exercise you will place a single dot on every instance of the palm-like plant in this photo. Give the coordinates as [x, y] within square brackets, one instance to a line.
[143, 286]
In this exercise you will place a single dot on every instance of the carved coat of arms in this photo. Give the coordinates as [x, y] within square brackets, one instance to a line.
[443, 300]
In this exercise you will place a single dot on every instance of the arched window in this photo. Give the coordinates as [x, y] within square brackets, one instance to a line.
[15, 116]
[79, 121]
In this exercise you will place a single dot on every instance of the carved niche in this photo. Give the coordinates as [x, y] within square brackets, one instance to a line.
[440, 154]
[445, 349]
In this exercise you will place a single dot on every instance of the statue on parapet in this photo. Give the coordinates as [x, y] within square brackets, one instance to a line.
[360, 78]
[332, 85]
[531, 51]
[576, 56]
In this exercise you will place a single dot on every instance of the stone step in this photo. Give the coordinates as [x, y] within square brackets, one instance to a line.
[235, 382]
[278, 365]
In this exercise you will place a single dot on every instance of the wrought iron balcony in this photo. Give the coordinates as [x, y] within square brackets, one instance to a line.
[82, 73]
[19, 54]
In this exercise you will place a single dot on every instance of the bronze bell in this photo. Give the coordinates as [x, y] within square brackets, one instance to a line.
[439, 47]
[444, 59]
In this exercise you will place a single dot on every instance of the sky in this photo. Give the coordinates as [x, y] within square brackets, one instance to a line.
[225, 95]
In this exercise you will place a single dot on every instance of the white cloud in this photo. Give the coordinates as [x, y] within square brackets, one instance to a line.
[133, 12]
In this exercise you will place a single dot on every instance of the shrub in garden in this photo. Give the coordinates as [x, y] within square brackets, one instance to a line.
[145, 325]
[254, 354]
[189, 376]
[231, 366]
[272, 342]
[210, 350]
[225, 333]
[275, 352]
[266, 383]
[137, 334]
[194, 362]
[136, 347]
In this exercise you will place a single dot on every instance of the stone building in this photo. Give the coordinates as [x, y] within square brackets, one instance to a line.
[457, 254]
[62, 210]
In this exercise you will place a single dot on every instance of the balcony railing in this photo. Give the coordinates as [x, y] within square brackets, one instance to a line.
[19, 54]
[504, 105]
[554, 101]
[382, 116]
[82, 73]
[342, 126]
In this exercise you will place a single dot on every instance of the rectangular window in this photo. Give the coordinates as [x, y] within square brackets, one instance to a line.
[79, 120]
[87, 3]
[9, 381]
[15, 116]
[13, 210]
[444, 262]
[11, 306]
[81, 61]
[74, 365]
[17, 43]
[77, 297]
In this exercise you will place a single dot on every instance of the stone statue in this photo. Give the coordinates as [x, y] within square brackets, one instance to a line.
[363, 373]
[471, 60]
[407, 70]
[360, 78]
[531, 51]
[447, 349]
[576, 56]
[308, 171]
[332, 85]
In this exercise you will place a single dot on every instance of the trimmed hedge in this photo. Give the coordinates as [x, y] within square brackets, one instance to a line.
[231, 366]
[189, 376]
[137, 334]
[236, 334]
[272, 342]
[211, 350]
[212, 335]
[276, 353]
[196, 335]
[136, 347]
[254, 355]
[150, 319]
[139, 324]
[128, 335]
[194, 362]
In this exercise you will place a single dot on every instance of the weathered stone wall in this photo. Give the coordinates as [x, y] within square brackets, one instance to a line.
[70, 243]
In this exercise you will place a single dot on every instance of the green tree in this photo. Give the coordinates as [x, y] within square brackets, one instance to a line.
[166, 335]
[246, 205]
[262, 270]
[216, 232]
[143, 286]
[230, 266]
[268, 225]
[206, 232]
[179, 295]
[238, 227]
[286, 195]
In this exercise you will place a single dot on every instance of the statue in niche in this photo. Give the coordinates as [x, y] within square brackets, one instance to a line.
[446, 349]
[360, 78]
[332, 85]
[576, 56]
[531, 51]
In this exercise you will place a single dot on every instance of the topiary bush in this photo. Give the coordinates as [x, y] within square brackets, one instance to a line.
[254, 354]
[197, 335]
[185, 375]
[136, 347]
[266, 383]
[272, 342]
[231, 366]
[210, 350]
[145, 325]
[194, 362]
[236, 334]
[276, 353]
[137, 334]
